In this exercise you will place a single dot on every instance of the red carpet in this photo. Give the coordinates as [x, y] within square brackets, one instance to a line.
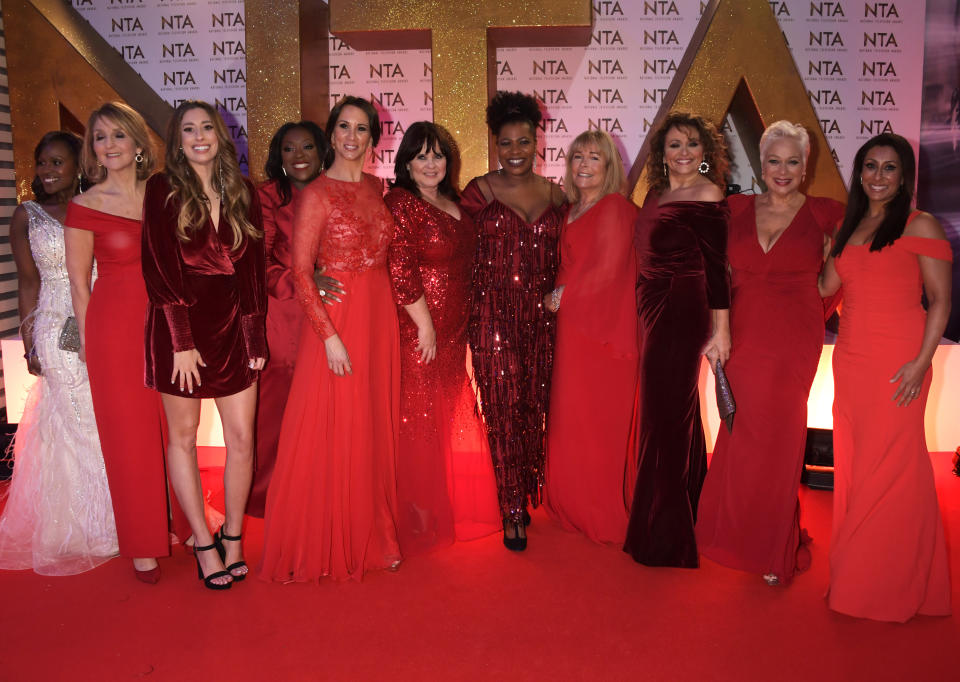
[566, 609]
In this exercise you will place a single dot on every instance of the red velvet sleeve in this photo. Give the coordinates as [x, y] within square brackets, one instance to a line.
[308, 229]
[251, 281]
[162, 262]
[403, 254]
[712, 238]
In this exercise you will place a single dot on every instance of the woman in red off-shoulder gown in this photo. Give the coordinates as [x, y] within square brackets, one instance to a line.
[331, 507]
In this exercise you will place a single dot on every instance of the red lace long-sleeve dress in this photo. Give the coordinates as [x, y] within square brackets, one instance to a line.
[511, 339]
[331, 507]
[445, 485]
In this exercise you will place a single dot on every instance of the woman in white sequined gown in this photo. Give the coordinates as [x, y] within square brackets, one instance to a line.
[58, 519]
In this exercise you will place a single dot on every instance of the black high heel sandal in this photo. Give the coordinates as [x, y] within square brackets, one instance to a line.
[514, 544]
[218, 539]
[208, 579]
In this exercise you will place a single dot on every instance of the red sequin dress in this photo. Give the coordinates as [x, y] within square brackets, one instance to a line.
[511, 339]
[331, 507]
[445, 485]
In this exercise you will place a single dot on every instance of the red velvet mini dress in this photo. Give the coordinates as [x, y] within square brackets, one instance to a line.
[204, 295]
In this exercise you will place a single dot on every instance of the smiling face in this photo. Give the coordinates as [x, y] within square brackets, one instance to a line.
[113, 146]
[881, 175]
[198, 137]
[783, 167]
[517, 148]
[57, 168]
[298, 153]
[682, 151]
[428, 168]
[351, 135]
[588, 168]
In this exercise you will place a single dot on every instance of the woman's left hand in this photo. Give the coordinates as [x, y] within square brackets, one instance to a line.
[718, 348]
[257, 363]
[427, 343]
[910, 377]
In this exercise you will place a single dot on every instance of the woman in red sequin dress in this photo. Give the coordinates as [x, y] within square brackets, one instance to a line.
[445, 485]
[296, 152]
[331, 507]
[518, 215]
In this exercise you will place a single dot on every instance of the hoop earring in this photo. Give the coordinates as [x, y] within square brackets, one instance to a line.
[704, 168]
[139, 158]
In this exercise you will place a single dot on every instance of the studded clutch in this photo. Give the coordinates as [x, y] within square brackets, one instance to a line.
[69, 339]
[726, 405]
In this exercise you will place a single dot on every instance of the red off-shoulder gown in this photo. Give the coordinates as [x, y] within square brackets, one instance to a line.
[332, 504]
[204, 295]
[594, 372]
[888, 557]
[284, 321]
[682, 275]
[445, 485]
[749, 516]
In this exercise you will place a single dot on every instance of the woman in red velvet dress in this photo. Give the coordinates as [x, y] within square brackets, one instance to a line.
[203, 263]
[518, 215]
[294, 160]
[596, 358]
[445, 485]
[749, 516]
[683, 298]
[332, 504]
[888, 557]
[104, 222]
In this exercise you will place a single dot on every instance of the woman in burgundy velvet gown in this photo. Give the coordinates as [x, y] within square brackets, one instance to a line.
[332, 504]
[294, 160]
[104, 222]
[445, 485]
[595, 363]
[518, 215]
[203, 263]
[683, 301]
[749, 516]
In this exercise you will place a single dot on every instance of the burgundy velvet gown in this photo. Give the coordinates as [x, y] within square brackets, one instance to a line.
[682, 275]
[203, 295]
[284, 320]
[511, 339]
[594, 372]
[445, 485]
[129, 417]
[749, 516]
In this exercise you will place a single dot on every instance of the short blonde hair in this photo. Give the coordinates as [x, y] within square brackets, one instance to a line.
[614, 180]
[133, 125]
[785, 130]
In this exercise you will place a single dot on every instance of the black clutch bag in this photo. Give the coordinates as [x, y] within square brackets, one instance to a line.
[726, 405]
[69, 339]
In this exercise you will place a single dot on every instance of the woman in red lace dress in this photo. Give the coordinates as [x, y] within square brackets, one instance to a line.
[445, 485]
[331, 507]
[294, 160]
[203, 265]
[518, 215]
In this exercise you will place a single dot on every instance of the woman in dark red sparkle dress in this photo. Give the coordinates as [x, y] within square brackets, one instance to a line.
[294, 159]
[203, 263]
[445, 485]
[518, 215]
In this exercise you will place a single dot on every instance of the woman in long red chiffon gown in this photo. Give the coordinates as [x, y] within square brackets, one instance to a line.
[331, 508]
[445, 485]
[888, 556]
[294, 159]
[596, 357]
[749, 515]
[683, 301]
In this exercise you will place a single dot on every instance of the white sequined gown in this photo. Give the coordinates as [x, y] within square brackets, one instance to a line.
[58, 518]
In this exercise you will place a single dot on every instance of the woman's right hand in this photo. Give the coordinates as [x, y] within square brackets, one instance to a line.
[427, 343]
[338, 360]
[186, 364]
[33, 364]
[328, 286]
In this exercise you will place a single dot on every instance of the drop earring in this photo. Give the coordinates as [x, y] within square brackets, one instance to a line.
[284, 169]
[704, 168]
[139, 158]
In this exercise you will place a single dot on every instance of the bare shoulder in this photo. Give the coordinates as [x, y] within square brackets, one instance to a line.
[557, 195]
[706, 191]
[92, 198]
[926, 226]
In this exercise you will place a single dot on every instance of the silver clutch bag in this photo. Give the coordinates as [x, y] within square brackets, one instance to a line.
[726, 405]
[69, 339]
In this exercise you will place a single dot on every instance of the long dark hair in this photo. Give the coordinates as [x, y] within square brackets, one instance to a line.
[274, 166]
[433, 136]
[897, 209]
[373, 118]
[74, 144]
